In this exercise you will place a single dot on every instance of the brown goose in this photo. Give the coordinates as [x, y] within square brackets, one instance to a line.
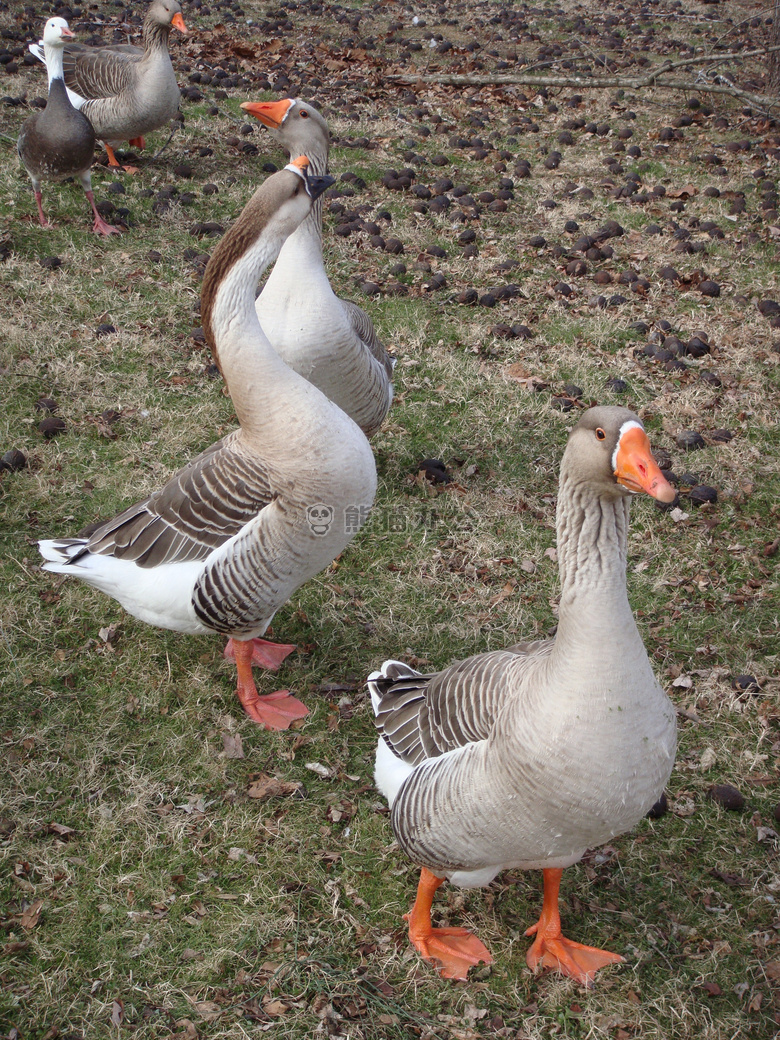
[233, 534]
[124, 91]
[329, 341]
[526, 757]
[59, 142]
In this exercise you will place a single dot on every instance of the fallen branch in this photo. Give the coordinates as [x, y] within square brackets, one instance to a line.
[656, 77]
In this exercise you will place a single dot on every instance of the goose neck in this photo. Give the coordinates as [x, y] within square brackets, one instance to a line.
[592, 533]
[55, 61]
[253, 371]
[155, 35]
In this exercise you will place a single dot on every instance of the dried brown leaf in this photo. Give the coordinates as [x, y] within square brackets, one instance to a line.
[31, 915]
[272, 787]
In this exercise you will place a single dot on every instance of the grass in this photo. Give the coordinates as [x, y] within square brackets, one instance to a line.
[143, 889]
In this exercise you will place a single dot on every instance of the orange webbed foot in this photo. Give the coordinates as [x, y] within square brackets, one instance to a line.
[570, 958]
[553, 950]
[264, 654]
[452, 950]
[275, 710]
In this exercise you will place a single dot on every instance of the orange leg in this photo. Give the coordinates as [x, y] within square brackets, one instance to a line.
[112, 159]
[274, 711]
[264, 654]
[138, 142]
[552, 950]
[452, 950]
[114, 163]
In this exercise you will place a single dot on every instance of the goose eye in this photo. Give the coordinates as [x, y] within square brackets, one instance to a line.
[304, 115]
[600, 434]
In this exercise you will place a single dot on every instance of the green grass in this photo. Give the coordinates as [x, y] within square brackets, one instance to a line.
[138, 877]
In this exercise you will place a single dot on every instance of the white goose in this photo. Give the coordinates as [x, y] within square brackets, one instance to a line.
[124, 91]
[329, 341]
[526, 757]
[233, 534]
[59, 142]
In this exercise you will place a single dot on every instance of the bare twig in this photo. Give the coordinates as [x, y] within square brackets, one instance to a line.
[656, 77]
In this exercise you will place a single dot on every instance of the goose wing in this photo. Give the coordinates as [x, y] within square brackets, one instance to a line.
[425, 716]
[363, 328]
[100, 72]
[200, 508]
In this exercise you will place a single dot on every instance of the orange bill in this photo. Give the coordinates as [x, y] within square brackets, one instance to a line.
[178, 22]
[301, 162]
[270, 113]
[637, 470]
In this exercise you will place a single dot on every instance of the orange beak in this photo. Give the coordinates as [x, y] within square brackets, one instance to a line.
[66, 32]
[270, 113]
[637, 470]
[301, 162]
[178, 22]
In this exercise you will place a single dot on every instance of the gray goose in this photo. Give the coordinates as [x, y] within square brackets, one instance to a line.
[124, 91]
[329, 341]
[526, 757]
[59, 142]
[234, 533]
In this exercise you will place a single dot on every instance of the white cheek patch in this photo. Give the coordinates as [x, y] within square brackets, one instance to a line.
[629, 424]
[296, 169]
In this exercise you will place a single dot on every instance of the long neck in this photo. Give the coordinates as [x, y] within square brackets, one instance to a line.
[592, 537]
[255, 374]
[155, 35]
[55, 57]
[306, 240]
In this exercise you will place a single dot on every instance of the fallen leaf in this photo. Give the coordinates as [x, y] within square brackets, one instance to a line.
[772, 970]
[186, 1030]
[274, 1008]
[207, 1009]
[708, 759]
[61, 830]
[30, 916]
[117, 1013]
[321, 770]
[233, 745]
[272, 787]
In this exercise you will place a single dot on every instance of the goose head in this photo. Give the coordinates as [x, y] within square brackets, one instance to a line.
[167, 13]
[297, 126]
[609, 450]
[56, 33]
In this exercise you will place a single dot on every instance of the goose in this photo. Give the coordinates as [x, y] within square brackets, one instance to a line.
[233, 534]
[59, 142]
[329, 341]
[124, 91]
[526, 757]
